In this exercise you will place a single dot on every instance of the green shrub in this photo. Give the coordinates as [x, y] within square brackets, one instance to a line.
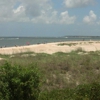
[95, 91]
[81, 92]
[19, 83]
[87, 92]
[57, 94]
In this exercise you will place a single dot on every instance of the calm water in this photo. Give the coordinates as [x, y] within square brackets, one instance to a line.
[20, 41]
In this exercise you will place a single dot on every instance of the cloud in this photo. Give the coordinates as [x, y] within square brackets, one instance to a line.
[36, 11]
[6, 9]
[19, 9]
[19, 15]
[63, 18]
[91, 18]
[77, 3]
[66, 19]
[26, 9]
[98, 22]
[33, 7]
[47, 17]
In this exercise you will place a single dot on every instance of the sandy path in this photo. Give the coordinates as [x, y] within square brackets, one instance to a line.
[53, 47]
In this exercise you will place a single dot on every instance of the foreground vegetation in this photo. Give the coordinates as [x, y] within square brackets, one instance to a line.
[19, 82]
[64, 76]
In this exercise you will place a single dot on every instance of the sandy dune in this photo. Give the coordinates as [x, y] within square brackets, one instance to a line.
[53, 47]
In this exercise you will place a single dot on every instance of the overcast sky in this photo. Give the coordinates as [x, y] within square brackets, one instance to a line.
[49, 17]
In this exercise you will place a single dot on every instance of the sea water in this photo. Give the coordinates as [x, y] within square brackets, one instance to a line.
[21, 41]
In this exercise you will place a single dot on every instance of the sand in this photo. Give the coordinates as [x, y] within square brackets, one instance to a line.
[53, 47]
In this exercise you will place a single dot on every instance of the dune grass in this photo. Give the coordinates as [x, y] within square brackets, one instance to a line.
[62, 70]
[68, 44]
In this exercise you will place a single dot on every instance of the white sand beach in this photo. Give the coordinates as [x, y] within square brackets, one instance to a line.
[53, 47]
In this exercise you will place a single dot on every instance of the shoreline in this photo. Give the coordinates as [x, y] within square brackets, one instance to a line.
[50, 48]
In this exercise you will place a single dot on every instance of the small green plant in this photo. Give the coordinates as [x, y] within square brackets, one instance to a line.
[68, 44]
[4, 56]
[90, 42]
[19, 82]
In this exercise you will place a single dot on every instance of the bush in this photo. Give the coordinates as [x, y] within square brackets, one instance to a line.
[95, 91]
[58, 94]
[88, 92]
[81, 92]
[19, 83]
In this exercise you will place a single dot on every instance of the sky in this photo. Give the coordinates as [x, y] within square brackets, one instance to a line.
[48, 18]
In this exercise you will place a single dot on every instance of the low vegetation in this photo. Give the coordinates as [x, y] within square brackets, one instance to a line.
[64, 76]
[68, 44]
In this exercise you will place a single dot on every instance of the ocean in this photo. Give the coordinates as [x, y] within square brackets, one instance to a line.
[21, 41]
